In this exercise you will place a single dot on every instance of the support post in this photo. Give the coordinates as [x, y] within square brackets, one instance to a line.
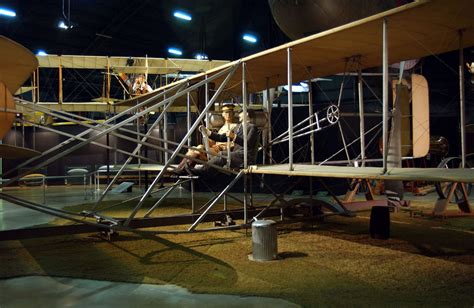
[165, 133]
[107, 140]
[462, 102]
[33, 84]
[244, 109]
[108, 81]
[385, 95]
[310, 113]
[290, 111]
[360, 87]
[266, 102]
[139, 160]
[269, 114]
[22, 132]
[115, 145]
[244, 124]
[37, 86]
[311, 122]
[193, 204]
[60, 80]
[188, 115]
[206, 100]
[145, 129]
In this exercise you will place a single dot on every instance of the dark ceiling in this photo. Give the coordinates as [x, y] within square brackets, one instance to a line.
[138, 28]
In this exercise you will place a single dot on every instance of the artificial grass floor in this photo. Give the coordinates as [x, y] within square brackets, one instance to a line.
[330, 263]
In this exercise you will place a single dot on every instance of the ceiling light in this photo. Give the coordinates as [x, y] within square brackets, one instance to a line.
[7, 12]
[62, 25]
[249, 38]
[41, 53]
[182, 15]
[201, 56]
[175, 51]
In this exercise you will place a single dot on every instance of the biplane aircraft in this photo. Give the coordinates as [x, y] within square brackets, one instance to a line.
[435, 27]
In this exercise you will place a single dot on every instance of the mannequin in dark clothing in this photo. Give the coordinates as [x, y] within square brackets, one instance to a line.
[214, 147]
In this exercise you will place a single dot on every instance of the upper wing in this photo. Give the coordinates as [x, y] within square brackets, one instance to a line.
[415, 30]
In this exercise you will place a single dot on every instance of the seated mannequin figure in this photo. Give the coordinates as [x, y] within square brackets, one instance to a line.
[237, 154]
[214, 147]
[141, 86]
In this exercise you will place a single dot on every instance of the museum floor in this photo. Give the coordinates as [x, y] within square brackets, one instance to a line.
[426, 262]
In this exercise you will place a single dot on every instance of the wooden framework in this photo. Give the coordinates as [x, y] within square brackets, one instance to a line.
[114, 65]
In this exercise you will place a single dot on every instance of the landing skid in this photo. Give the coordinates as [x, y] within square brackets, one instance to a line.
[138, 225]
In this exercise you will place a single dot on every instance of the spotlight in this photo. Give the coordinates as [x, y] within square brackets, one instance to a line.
[65, 26]
[249, 38]
[175, 51]
[201, 56]
[62, 25]
[182, 15]
[41, 53]
[7, 12]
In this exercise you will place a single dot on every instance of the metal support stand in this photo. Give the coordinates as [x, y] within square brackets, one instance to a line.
[441, 205]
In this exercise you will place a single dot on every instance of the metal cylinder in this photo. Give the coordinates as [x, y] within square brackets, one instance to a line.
[217, 120]
[264, 240]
